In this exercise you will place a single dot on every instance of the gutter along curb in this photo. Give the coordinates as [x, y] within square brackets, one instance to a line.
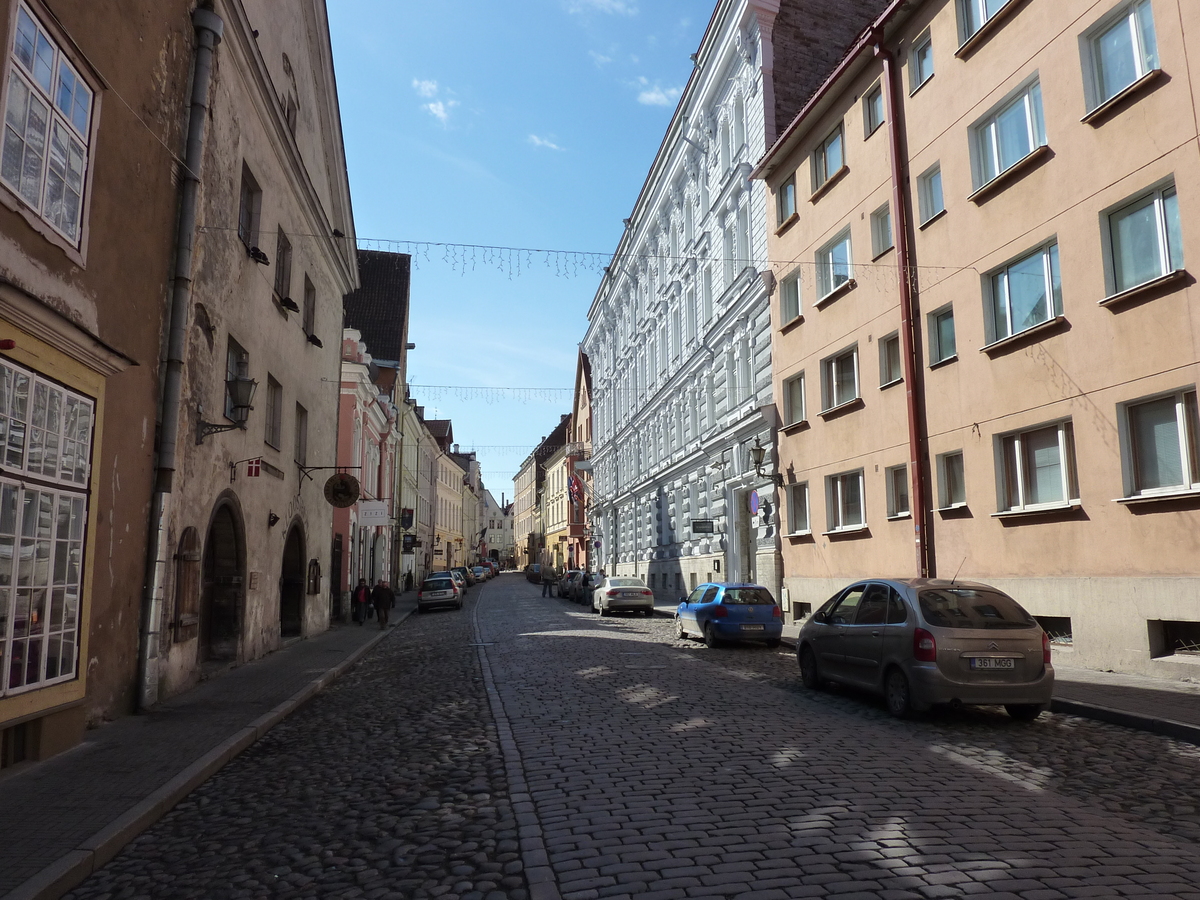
[70, 869]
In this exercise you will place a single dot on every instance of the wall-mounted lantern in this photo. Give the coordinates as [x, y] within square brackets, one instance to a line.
[240, 391]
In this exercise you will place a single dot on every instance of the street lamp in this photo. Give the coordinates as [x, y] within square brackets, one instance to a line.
[757, 454]
[240, 391]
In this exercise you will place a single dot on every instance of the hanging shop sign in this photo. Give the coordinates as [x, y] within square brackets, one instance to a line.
[342, 490]
[373, 512]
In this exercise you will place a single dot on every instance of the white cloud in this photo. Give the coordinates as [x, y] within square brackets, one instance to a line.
[440, 109]
[658, 96]
[542, 142]
[599, 58]
[425, 88]
[616, 7]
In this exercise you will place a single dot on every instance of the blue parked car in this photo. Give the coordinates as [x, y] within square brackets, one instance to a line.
[730, 612]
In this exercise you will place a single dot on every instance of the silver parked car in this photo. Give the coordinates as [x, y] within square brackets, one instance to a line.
[921, 642]
[614, 594]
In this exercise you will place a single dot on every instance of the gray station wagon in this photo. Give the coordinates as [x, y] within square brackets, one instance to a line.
[920, 642]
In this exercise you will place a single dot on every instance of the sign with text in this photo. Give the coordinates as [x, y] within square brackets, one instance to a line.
[373, 512]
[702, 526]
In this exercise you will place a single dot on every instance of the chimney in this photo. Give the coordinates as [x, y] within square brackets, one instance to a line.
[456, 448]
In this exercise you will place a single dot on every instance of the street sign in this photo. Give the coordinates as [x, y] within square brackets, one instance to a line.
[702, 526]
[754, 503]
[373, 512]
[406, 518]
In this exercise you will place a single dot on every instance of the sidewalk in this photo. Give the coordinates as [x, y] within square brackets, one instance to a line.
[1170, 708]
[78, 809]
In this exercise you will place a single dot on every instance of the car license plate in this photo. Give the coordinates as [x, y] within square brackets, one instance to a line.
[990, 662]
[629, 593]
[752, 628]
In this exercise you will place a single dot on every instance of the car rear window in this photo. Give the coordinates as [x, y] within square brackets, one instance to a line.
[625, 582]
[972, 608]
[748, 597]
[437, 584]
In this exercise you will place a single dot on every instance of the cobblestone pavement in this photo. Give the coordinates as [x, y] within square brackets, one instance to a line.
[655, 768]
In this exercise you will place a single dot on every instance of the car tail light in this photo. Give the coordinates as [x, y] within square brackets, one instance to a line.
[612, 593]
[719, 612]
[647, 593]
[1045, 647]
[777, 612]
[924, 646]
[420, 594]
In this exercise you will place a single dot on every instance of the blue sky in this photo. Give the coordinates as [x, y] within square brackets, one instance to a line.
[527, 124]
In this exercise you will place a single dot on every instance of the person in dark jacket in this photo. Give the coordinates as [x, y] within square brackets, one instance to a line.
[382, 597]
[549, 580]
[358, 601]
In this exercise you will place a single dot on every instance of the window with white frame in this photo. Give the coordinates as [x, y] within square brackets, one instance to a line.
[973, 14]
[789, 297]
[1037, 468]
[920, 61]
[881, 230]
[929, 193]
[829, 157]
[897, 491]
[274, 417]
[839, 379]
[793, 400]
[873, 110]
[1008, 135]
[1145, 240]
[798, 509]
[941, 335]
[844, 501]
[890, 368]
[952, 485]
[1024, 293]
[1120, 50]
[1162, 444]
[46, 450]
[47, 127]
[834, 264]
[785, 200]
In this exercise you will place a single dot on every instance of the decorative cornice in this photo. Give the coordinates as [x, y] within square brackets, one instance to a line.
[31, 315]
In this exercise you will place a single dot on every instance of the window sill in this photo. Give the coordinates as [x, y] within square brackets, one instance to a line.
[987, 29]
[952, 508]
[844, 288]
[1011, 174]
[1146, 287]
[937, 215]
[892, 383]
[797, 535]
[943, 362]
[913, 92]
[1004, 343]
[882, 253]
[1029, 512]
[787, 223]
[791, 323]
[834, 411]
[839, 532]
[1101, 113]
[795, 426]
[1164, 497]
[829, 183]
[899, 517]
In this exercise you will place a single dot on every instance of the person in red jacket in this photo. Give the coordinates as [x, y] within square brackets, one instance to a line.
[362, 594]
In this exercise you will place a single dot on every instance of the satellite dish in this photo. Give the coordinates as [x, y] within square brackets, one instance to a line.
[342, 490]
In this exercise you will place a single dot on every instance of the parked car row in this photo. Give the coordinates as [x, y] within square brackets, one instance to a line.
[449, 587]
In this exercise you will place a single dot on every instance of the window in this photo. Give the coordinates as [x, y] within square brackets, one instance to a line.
[828, 158]
[789, 297]
[1009, 135]
[920, 62]
[941, 335]
[274, 426]
[881, 231]
[839, 379]
[844, 501]
[249, 208]
[1163, 444]
[834, 264]
[890, 368]
[283, 266]
[301, 449]
[793, 400]
[929, 193]
[798, 508]
[1122, 50]
[974, 13]
[1145, 239]
[310, 306]
[46, 128]
[237, 364]
[897, 491]
[873, 110]
[1037, 468]
[952, 487]
[785, 199]
[1025, 293]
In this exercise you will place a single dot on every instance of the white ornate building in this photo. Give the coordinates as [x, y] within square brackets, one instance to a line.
[679, 334]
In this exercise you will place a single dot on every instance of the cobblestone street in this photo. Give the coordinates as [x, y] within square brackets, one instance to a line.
[641, 765]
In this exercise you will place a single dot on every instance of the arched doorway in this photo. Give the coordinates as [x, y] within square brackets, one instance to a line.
[291, 585]
[379, 558]
[220, 608]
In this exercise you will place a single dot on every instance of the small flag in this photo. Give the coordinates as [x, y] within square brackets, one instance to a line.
[253, 468]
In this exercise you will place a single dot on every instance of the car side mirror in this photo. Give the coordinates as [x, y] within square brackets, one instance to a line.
[683, 599]
[820, 617]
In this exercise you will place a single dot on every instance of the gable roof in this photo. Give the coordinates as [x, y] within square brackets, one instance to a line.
[379, 308]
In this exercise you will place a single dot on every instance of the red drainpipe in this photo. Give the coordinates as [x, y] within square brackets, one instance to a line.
[903, 217]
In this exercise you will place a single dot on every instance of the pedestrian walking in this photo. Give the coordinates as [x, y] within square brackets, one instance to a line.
[382, 597]
[548, 579]
[359, 599]
[408, 581]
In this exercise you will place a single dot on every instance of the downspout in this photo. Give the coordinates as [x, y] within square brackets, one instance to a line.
[911, 361]
[209, 28]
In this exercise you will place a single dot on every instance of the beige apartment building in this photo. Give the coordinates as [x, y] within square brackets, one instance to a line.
[984, 331]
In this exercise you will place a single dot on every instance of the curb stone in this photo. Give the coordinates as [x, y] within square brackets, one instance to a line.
[70, 869]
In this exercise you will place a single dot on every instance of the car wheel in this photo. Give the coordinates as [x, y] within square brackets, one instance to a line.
[810, 675]
[1024, 712]
[459, 605]
[896, 693]
[603, 612]
[773, 644]
[710, 636]
[680, 634]
[650, 613]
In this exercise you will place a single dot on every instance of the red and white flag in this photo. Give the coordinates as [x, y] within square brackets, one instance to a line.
[253, 468]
